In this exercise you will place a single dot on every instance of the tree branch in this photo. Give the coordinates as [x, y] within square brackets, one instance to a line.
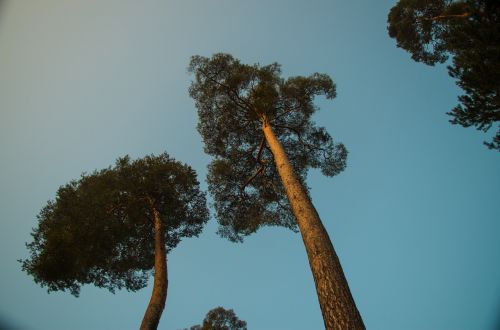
[287, 111]
[230, 90]
[444, 17]
[299, 135]
[260, 161]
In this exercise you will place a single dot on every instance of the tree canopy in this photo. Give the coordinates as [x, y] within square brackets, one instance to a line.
[233, 99]
[220, 318]
[99, 229]
[469, 32]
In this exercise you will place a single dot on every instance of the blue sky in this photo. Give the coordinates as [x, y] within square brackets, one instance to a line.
[415, 218]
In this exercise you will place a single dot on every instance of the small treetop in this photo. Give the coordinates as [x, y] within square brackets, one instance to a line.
[100, 228]
[234, 100]
[220, 318]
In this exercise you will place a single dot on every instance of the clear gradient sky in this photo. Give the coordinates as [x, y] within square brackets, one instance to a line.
[415, 218]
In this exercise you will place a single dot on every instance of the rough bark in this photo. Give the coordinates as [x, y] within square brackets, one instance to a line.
[160, 284]
[335, 299]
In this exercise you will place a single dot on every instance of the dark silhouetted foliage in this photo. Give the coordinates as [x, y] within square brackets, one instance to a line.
[232, 99]
[221, 319]
[469, 32]
[100, 229]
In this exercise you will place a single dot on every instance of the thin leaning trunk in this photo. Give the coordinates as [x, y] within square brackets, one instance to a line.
[159, 295]
[335, 299]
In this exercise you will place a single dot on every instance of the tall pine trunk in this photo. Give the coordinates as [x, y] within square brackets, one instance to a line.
[159, 295]
[335, 299]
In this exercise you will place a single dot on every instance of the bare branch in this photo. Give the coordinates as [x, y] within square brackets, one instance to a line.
[259, 171]
[260, 161]
[261, 147]
[444, 17]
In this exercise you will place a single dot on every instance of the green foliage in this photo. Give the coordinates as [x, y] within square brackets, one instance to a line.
[469, 32]
[221, 319]
[100, 229]
[233, 101]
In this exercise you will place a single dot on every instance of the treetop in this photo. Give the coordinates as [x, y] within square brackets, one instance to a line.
[234, 101]
[99, 229]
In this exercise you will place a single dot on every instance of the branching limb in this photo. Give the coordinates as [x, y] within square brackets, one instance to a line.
[260, 161]
[286, 111]
[259, 171]
[444, 17]
[230, 91]
[299, 135]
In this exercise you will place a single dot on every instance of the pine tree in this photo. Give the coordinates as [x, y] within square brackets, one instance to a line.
[468, 31]
[113, 227]
[258, 128]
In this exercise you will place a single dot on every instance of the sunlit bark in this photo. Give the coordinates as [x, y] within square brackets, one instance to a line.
[159, 295]
[335, 299]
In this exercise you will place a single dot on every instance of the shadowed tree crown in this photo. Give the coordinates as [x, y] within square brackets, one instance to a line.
[220, 318]
[100, 228]
[234, 100]
[468, 31]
